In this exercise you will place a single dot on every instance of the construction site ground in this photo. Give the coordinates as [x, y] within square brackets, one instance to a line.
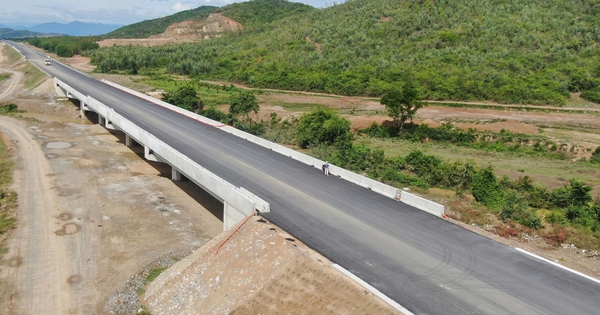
[95, 220]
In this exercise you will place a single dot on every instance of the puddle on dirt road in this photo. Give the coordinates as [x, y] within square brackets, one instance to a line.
[51, 118]
[69, 228]
[65, 216]
[58, 145]
[74, 279]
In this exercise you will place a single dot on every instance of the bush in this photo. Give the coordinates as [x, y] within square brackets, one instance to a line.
[215, 114]
[592, 95]
[595, 158]
[186, 98]
[486, 189]
[322, 126]
[8, 109]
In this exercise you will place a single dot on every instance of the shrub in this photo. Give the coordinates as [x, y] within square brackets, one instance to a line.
[595, 156]
[322, 126]
[486, 189]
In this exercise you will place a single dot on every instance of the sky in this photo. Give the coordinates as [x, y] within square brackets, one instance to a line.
[32, 12]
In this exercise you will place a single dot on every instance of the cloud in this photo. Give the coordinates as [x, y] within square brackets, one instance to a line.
[178, 6]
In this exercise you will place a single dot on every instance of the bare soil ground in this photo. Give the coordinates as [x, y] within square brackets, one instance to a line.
[259, 270]
[94, 218]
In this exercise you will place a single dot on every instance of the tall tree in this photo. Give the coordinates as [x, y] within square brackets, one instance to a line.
[402, 103]
[242, 104]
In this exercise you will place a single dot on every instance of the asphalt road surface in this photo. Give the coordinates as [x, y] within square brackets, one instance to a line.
[426, 264]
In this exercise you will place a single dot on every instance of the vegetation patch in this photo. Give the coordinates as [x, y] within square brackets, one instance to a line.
[6, 109]
[12, 54]
[484, 55]
[4, 76]
[33, 76]
[66, 46]
[8, 198]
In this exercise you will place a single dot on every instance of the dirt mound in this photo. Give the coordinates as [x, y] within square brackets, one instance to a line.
[214, 26]
[259, 270]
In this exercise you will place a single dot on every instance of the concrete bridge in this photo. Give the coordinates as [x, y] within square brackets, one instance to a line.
[238, 202]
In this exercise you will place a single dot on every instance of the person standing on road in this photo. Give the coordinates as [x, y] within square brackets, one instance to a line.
[326, 168]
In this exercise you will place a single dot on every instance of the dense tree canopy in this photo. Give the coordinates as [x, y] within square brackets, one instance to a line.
[513, 51]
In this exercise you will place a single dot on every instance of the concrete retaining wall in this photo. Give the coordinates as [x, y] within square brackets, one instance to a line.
[378, 187]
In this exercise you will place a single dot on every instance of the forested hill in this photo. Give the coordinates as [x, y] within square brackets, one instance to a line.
[259, 13]
[514, 51]
[249, 14]
[148, 28]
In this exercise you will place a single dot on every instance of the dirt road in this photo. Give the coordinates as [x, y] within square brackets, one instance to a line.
[45, 267]
[8, 87]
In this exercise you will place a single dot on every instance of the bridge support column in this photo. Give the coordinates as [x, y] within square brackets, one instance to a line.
[149, 155]
[101, 120]
[175, 174]
[231, 216]
[81, 109]
[59, 91]
[128, 141]
[108, 125]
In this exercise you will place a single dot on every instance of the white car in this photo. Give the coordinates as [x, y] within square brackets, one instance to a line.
[47, 62]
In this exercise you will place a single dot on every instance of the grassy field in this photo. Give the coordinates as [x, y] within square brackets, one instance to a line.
[8, 198]
[12, 54]
[33, 76]
[551, 173]
[4, 76]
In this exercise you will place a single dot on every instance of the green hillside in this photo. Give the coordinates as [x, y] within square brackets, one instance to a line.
[512, 51]
[148, 28]
[258, 13]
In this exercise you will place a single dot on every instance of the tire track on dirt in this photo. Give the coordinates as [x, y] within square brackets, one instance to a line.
[40, 262]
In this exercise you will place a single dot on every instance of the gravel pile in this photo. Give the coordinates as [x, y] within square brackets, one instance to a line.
[126, 299]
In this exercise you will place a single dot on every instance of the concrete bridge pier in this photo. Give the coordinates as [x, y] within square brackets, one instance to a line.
[128, 141]
[150, 156]
[175, 174]
[59, 90]
[83, 107]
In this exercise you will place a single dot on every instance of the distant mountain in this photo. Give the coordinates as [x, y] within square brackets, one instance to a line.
[75, 28]
[4, 26]
[7, 33]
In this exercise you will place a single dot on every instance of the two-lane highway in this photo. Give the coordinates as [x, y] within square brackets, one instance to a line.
[426, 264]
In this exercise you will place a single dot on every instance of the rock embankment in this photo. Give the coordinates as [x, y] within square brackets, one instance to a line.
[259, 270]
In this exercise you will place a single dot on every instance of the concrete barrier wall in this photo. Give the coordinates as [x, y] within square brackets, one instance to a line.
[238, 199]
[422, 204]
[174, 108]
[375, 186]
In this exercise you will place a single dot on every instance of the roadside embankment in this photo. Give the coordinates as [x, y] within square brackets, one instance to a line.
[259, 270]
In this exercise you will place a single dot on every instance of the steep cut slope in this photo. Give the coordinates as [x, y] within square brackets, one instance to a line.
[214, 26]
[259, 270]
[148, 28]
